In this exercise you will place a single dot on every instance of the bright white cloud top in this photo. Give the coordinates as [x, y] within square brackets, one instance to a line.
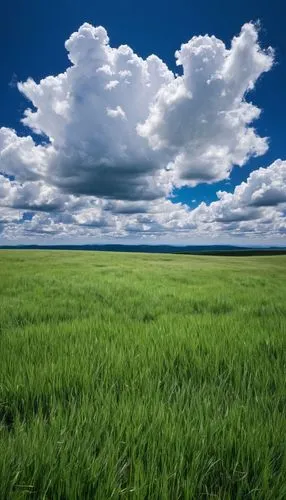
[120, 132]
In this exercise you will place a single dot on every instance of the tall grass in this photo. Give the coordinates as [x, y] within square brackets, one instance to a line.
[142, 376]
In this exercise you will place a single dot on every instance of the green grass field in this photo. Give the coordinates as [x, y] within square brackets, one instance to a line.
[142, 376]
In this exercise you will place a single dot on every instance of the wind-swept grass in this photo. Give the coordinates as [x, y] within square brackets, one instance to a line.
[142, 376]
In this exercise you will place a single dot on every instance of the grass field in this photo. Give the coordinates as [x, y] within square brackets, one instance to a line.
[142, 376]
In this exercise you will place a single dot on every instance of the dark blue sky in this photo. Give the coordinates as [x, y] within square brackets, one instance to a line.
[33, 32]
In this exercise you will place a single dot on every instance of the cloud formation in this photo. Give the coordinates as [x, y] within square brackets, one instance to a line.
[122, 127]
[118, 132]
[254, 204]
[236, 214]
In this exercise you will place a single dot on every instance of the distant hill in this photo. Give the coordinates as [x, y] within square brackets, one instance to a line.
[169, 249]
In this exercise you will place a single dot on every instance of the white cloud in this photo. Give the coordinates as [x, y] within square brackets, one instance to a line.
[8, 215]
[232, 215]
[21, 157]
[202, 118]
[120, 132]
[31, 195]
[122, 127]
[257, 205]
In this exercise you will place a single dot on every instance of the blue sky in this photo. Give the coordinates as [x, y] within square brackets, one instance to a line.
[32, 38]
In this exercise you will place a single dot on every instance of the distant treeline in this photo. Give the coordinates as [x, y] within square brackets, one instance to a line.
[223, 250]
[240, 253]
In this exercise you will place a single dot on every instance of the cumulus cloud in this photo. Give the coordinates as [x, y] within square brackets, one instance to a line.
[202, 118]
[116, 133]
[21, 157]
[9, 215]
[33, 195]
[254, 204]
[122, 127]
[232, 215]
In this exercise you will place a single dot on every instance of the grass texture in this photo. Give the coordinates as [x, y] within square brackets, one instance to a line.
[142, 376]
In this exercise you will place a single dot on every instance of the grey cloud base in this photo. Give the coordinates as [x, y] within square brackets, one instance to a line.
[249, 210]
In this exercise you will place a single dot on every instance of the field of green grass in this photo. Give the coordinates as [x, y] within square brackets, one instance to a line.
[142, 376]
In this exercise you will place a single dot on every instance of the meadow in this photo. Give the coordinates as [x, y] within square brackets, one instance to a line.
[142, 376]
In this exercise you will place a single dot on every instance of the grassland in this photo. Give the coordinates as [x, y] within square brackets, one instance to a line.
[142, 376]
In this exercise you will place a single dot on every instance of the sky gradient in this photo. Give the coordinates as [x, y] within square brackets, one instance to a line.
[101, 142]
